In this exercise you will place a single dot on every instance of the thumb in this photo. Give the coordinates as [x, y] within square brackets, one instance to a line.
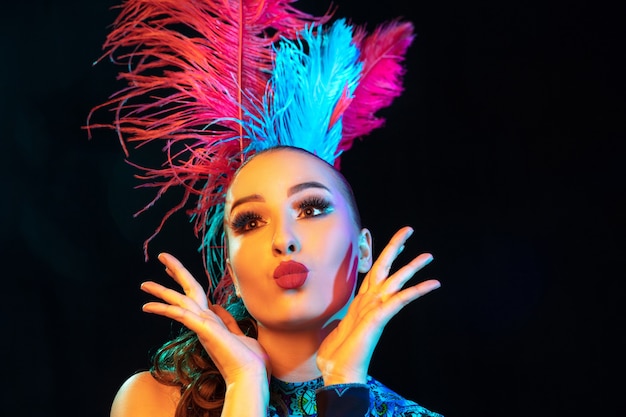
[227, 318]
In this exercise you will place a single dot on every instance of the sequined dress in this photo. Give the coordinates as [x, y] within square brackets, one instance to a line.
[312, 399]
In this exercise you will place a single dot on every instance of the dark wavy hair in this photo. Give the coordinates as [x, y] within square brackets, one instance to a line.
[184, 362]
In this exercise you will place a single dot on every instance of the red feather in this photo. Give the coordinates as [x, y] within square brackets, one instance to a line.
[190, 67]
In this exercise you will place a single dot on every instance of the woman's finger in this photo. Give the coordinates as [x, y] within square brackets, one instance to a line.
[382, 266]
[379, 305]
[170, 296]
[375, 315]
[174, 312]
[229, 321]
[395, 282]
[399, 300]
[203, 323]
[175, 269]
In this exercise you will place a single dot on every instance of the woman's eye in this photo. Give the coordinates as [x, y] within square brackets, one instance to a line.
[245, 222]
[314, 207]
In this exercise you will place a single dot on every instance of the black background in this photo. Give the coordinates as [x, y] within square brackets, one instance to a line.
[505, 153]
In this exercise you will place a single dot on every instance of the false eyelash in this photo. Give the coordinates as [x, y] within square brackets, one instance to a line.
[243, 219]
[319, 203]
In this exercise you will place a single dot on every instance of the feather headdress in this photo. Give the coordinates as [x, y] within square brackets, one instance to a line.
[215, 81]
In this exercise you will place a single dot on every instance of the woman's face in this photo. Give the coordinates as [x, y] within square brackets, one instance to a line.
[293, 244]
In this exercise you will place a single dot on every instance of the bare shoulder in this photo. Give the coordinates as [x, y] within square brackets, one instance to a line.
[143, 396]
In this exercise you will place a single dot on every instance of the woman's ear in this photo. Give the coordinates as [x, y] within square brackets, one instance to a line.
[233, 277]
[365, 251]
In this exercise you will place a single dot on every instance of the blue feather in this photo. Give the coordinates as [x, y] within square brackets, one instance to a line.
[310, 75]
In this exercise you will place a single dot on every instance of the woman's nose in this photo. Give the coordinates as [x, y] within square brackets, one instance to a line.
[285, 241]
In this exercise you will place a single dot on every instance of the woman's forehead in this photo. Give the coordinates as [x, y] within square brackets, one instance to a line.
[281, 169]
[282, 172]
[284, 164]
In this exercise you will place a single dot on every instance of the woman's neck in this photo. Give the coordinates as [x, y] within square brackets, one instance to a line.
[292, 353]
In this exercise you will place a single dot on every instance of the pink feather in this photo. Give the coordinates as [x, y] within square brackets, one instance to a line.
[382, 54]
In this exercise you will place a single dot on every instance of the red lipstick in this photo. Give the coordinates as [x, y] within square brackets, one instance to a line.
[290, 275]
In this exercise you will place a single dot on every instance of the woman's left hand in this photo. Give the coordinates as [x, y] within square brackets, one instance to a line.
[345, 354]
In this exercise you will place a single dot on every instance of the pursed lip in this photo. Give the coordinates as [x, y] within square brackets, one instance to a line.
[290, 275]
[289, 268]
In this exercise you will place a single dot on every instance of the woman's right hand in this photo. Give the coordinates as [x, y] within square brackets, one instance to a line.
[237, 356]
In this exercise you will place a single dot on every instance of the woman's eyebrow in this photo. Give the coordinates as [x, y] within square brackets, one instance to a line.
[247, 199]
[303, 186]
[291, 191]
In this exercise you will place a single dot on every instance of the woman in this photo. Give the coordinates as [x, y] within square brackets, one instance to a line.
[254, 102]
[294, 250]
